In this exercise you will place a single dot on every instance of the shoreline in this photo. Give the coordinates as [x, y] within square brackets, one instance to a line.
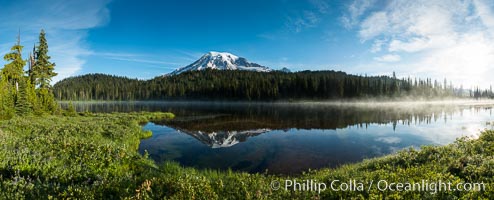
[377, 103]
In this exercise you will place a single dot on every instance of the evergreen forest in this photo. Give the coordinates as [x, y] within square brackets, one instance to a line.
[257, 86]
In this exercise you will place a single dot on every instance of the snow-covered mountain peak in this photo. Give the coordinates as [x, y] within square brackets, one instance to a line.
[221, 61]
[222, 55]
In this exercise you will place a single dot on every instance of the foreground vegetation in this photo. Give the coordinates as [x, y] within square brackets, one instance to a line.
[73, 156]
[94, 156]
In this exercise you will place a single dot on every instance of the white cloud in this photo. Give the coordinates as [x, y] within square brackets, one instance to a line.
[413, 45]
[67, 51]
[389, 140]
[445, 38]
[66, 24]
[468, 61]
[485, 14]
[355, 10]
[137, 58]
[307, 19]
[377, 46]
[388, 58]
[374, 25]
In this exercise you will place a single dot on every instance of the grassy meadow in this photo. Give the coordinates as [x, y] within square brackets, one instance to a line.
[94, 156]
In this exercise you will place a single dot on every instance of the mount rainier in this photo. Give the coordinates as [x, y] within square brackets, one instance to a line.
[222, 61]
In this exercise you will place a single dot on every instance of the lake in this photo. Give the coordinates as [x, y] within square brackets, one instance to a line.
[288, 138]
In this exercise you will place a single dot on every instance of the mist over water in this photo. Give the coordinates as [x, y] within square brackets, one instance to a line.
[290, 138]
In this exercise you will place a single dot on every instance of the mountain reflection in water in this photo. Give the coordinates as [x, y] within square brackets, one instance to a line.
[219, 139]
[291, 138]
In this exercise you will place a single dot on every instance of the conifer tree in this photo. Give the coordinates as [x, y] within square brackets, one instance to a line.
[3, 91]
[71, 110]
[41, 72]
[31, 62]
[13, 71]
[43, 69]
[33, 98]
[22, 105]
[47, 100]
[6, 99]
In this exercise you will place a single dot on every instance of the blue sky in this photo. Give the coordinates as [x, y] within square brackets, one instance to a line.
[143, 39]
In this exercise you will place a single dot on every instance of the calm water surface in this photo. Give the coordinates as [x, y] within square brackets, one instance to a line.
[291, 138]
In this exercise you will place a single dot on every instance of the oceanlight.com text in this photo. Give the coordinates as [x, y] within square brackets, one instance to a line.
[310, 185]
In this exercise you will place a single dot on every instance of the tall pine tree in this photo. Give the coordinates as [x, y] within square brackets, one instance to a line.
[42, 72]
[13, 71]
[43, 69]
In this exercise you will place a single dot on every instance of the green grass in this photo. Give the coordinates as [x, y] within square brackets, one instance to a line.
[94, 156]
